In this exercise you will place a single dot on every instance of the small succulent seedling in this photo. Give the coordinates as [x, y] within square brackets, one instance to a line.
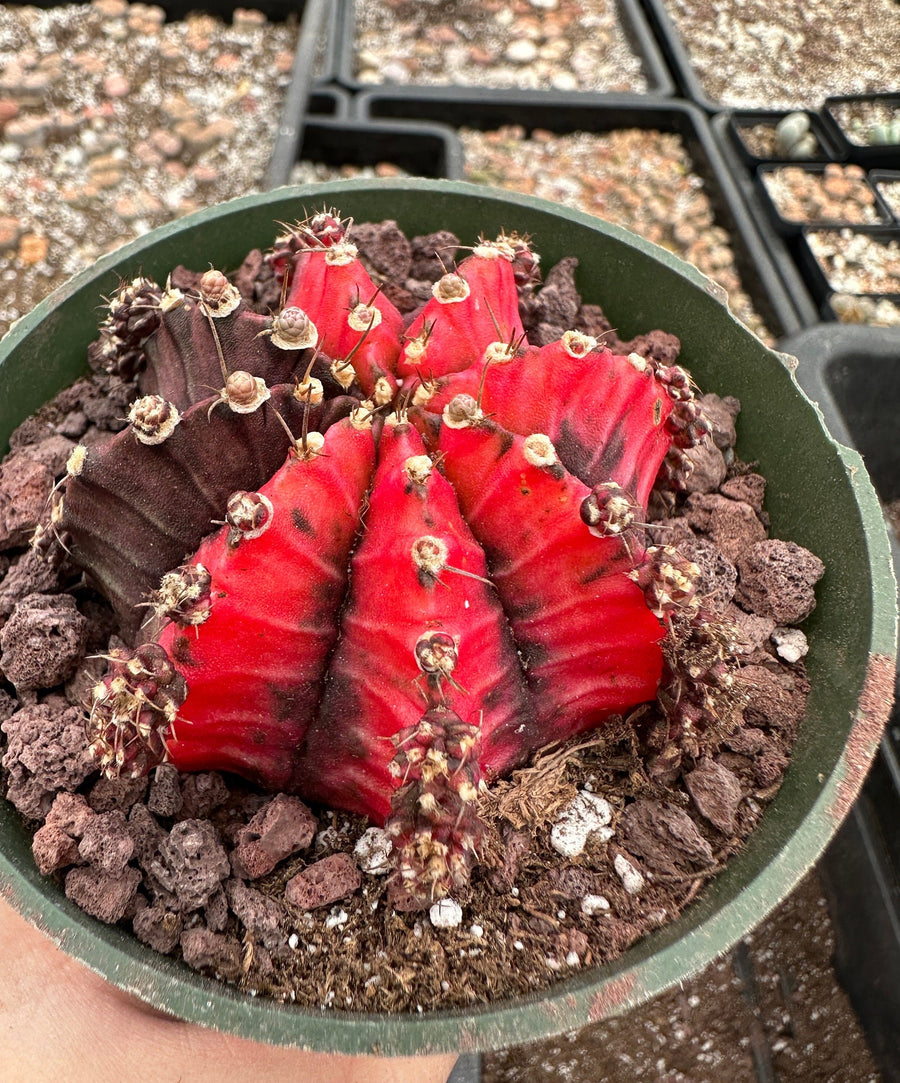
[379, 561]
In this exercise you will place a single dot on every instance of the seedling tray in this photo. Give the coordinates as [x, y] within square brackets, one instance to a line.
[854, 375]
[880, 178]
[419, 149]
[791, 226]
[274, 10]
[468, 107]
[630, 16]
[824, 288]
[873, 155]
[740, 121]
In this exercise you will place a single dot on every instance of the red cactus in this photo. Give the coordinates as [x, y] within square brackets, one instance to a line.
[470, 308]
[357, 326]
[590, 644]
[391, 679]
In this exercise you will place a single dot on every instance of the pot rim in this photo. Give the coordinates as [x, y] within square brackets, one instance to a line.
[710, 926]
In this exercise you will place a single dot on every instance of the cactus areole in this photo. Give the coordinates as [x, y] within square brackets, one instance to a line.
[426, 560]
[158, 501]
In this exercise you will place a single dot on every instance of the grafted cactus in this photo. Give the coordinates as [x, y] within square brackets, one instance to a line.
[385, 558]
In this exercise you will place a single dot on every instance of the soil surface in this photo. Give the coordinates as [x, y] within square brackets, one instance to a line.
[596, 844]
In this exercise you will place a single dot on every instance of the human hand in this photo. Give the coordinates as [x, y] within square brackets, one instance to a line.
[60, 1021]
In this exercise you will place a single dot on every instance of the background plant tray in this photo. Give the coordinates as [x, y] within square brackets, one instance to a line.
[882, 155]
[416, 148]
[274, 10]
[630, 17]
[465, 107]
[854, 375]
[740, 120]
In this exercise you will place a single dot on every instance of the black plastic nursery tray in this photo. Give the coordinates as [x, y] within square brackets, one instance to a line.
[768, 173]
[274, 10]
[827, 286]
[854, 375]
[343, 51]
[741, 122]
[466, 107]
[859, 143]
[419, 149]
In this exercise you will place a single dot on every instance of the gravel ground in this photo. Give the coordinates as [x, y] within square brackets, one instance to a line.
[789, 56]
[114, 122]
[537, 44]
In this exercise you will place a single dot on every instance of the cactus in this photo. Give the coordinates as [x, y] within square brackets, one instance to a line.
[380, 561]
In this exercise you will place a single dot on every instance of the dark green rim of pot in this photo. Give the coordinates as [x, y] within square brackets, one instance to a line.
[818, 495]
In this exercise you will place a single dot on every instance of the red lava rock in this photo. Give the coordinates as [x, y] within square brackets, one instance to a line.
[751, 488]
[147, 835]
[46, 752]
[192, 863]
[158, 928]
[262, 915]
[28, 574]
[709, 467]
[105, 896]
[385, 248]
[207, 950]
[53, 849]
[71, 813]
[202, 793]
[664, 837]
[777, 579]
[721, 413]
[42, 641]
[716, 793]
[733, 525]
[116, 793]
[323, 883]
[282, 827]
[24, 490]
[165, 797]
[107, 843]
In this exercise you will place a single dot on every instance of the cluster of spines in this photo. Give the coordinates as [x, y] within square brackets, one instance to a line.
[133, 710]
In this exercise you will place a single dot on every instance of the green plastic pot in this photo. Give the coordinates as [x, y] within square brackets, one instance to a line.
[818, 495]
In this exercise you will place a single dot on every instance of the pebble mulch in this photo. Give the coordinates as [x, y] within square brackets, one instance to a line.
[889, 190]
[641, 179]
[837, 193]
[857, 262]
[528, 44]
[113, 121]
[870, 123]
[788, 56]
[877, 311]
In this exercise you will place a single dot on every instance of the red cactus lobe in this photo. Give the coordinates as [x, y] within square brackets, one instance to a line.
[355, 322]
[470, 308]
[277, 572]
[590, 644]
[422, 627]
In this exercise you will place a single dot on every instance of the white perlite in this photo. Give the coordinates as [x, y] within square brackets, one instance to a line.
[588, 814]
[446, 914]
[594, 904]
[790, 643]
[373, 851]
[632, 879]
